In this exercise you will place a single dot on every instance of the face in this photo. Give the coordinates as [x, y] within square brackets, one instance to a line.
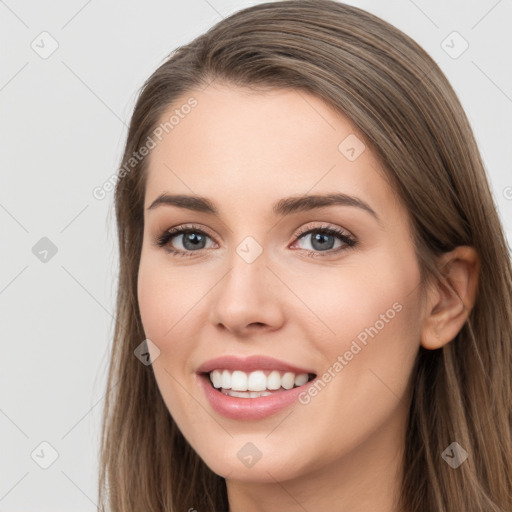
[267, 288]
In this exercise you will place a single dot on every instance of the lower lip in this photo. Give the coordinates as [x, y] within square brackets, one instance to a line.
[249, 408]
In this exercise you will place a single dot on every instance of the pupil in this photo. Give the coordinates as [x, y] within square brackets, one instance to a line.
[194, 239]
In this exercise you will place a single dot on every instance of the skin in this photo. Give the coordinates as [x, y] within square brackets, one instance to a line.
[245, 151]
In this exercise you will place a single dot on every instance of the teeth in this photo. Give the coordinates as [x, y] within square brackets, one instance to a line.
[274, 380]
[239, 381]
[216, 378]
[288, 380]
[246, 394]
[226, 379]
[256, 383]
[301, 379]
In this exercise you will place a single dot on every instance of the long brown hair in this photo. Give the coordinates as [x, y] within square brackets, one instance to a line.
[397, 96]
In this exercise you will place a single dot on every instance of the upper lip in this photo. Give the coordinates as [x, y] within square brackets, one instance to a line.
[251, 363]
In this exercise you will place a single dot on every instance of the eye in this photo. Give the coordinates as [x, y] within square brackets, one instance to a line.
[324, 240]
[191, 238]
[194, 239]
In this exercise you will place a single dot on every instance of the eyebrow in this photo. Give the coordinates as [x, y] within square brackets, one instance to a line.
[285, 206]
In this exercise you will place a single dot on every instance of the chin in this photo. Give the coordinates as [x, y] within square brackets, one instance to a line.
[256, 460]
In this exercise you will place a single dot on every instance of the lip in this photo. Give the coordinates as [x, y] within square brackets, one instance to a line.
[248, 364]
[250, 408]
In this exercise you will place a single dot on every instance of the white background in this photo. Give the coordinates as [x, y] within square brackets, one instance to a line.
[63, 126]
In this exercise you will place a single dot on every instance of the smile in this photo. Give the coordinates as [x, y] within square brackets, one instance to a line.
[253, 387]
[257, 383]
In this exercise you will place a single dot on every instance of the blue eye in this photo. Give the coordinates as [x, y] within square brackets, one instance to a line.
[324, 238]
[193, 239]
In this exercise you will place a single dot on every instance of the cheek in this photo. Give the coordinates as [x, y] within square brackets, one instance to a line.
[167, 299]
[352, 297]
[367, 312]
[368, 360]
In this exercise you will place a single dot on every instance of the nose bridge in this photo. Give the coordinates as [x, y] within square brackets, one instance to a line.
[246, 275]
[243, 296]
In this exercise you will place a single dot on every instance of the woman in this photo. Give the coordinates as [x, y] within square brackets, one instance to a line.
[314, 304]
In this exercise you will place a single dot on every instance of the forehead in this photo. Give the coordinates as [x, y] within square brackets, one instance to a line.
[239, 146]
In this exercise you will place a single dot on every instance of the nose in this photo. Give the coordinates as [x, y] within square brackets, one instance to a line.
[248, 299]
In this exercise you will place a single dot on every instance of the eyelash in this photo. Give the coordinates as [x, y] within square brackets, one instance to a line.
[350, 242]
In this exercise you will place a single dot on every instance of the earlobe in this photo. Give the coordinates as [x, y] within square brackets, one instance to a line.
[450, 300]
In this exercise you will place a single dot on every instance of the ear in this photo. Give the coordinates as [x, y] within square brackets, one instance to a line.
[450, 301]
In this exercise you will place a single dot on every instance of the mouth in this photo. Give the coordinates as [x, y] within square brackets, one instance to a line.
[255, 384]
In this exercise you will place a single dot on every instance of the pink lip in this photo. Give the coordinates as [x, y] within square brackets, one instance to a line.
[248, 364]
[249, 408]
